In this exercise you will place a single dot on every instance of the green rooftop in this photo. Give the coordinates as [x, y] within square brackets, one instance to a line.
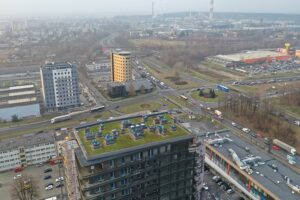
[125, 140]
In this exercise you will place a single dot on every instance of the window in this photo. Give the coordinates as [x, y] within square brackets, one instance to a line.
[113, 186]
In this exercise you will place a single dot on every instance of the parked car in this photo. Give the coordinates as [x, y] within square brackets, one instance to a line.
[233, 124]
[47, 170]
[246, 130]
[47, 177]
[59, 179]
[50, 187]
[17, 176]
[59, 185]
[48, 184]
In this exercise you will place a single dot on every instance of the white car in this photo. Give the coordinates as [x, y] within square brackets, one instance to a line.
[17, 176]
[233, 124]
[297, 123]
[50, 187]
[246, 130]
[59, 179]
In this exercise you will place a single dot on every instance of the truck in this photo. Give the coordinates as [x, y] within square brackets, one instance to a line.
[219, 114]
[285, 146]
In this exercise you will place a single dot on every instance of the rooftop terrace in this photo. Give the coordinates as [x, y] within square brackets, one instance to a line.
[156, 128]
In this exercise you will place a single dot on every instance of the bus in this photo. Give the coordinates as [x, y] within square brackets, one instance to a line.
[60, 118]
[223, 88]
[96, 109]
[183, 97]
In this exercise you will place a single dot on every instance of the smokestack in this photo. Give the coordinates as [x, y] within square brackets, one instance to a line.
[152, 8]
[211, 11]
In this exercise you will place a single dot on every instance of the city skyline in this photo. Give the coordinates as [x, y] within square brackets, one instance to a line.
[93, 7]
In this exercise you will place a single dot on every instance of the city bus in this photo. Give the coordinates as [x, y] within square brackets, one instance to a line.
[96, 109]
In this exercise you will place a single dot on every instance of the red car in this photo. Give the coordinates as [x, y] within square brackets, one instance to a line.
[18, 169]
[274, 147]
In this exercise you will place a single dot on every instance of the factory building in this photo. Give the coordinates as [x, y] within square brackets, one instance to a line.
[26, 150]
[121, 66]
[21, 101]
[60, 85]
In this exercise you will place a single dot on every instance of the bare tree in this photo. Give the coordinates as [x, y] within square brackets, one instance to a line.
[142, 89]
[131, 90]
[24, 188]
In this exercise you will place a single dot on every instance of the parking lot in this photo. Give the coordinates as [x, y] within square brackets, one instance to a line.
[216, 192]
[37, 173]
[270, 68]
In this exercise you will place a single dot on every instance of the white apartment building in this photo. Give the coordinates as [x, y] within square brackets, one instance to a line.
[26, 150]
[60, 85]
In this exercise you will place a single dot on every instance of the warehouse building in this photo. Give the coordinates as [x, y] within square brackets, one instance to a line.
[250, 57]
[116, 159]
[21, 101]
[26, 150]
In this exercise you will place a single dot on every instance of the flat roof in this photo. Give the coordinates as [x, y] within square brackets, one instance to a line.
[125, 141]
[249, 55]
[13, 94]
[20, 87]
[23, 100]
[264, 174]
[26, 141]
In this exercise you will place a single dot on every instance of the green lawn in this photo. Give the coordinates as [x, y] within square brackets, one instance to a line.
[140, 107]
[220, 97]
[148, 105]
[125, 141]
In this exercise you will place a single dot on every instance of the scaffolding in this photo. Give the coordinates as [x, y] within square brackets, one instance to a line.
[198, 148]
[72, 185]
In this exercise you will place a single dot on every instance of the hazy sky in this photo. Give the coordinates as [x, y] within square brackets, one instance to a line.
[67, 7]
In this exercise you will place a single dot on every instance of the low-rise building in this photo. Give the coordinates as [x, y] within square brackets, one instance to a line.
[26, 150]
[21, 101]
[116, 89]
[100, 71]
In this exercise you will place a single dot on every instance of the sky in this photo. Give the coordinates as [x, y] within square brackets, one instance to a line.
[89, 7]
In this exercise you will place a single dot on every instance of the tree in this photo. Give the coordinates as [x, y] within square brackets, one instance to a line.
[212, 93]
[24, 188]
[201, 93]
[14, 118]
[131, 90]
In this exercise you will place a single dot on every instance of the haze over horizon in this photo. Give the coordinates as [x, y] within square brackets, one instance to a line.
[115, 7]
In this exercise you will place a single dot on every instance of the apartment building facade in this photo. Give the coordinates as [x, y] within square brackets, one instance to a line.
[121, 66]
[60, 85]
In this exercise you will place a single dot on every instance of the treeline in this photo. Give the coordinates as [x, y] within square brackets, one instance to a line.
[259, 113]
[291, 98]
